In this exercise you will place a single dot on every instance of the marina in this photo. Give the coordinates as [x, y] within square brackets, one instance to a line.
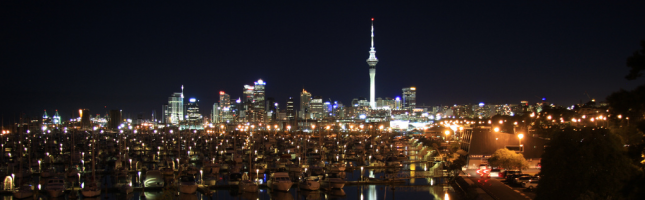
[212, 164]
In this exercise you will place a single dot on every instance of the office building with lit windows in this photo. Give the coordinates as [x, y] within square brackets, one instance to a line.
[409, 98]
[305, 106]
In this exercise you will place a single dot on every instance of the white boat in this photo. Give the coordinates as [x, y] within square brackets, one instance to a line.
[154, 178]
[309, 183]
[55, 187]
[280, 181]
[24, 191]
[91, 190]
[334, 183]
[248, 186]
[187, 185]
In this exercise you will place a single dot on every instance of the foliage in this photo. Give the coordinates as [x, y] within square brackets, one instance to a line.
[508, 159]
[584, 164]
[636, 62]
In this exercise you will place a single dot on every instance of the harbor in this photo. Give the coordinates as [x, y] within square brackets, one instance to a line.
[225, 163]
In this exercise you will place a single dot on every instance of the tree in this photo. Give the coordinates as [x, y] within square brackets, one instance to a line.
[508, 159]
[587, 163]
[636, 62]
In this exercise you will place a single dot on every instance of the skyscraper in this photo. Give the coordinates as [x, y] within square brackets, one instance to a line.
[248, 93]
[192, 112]
[259, 101]
[226, 111]
[291, 114]
[372, 61]
[215, 118]
[317, 110]
[46, 119]
[175, 110]
[115, 119]
[56, 119]
[305, 99]
[409, 98]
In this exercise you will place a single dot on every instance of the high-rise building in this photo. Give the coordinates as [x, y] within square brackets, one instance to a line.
[397, 103]
[193, 117]
[56, 119]
[85, 118]
[305, 99]
[215, 117]
[248, 93]
[291, 113]
[271, 108]
[46, 119]
[115, 119]
[328, 109]
[259, 101]
[372, 61]
[409, 98]
[316, 105]
[226, 111]
[175, 110]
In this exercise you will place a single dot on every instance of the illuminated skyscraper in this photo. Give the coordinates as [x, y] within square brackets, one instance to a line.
[316, 105]
[248, 93]
[259, 101]
[192, 111]
[305, 106]
[215, 118]
[56, 119]
[46, 118]
[409, 98]
[372, 61]
[175, 110]
[397, 103]
[226, 111]
[291, 114]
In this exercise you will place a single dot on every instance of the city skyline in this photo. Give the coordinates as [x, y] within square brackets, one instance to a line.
[61, 62]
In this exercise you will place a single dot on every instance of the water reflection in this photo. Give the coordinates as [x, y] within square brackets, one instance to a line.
[310, 195]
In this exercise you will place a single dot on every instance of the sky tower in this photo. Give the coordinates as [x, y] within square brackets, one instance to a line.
[372, 61]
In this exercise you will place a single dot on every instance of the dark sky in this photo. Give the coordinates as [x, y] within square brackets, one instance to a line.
[102, 55]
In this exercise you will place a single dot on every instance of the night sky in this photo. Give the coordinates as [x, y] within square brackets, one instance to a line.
[133, 56]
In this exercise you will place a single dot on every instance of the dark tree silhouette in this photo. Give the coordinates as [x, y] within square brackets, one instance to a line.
[584, 164]
[636, 62]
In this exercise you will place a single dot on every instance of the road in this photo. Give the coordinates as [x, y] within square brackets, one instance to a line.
[499, 189]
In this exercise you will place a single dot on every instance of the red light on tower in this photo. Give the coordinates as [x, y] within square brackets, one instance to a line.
[221, 92]
[372, 19]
